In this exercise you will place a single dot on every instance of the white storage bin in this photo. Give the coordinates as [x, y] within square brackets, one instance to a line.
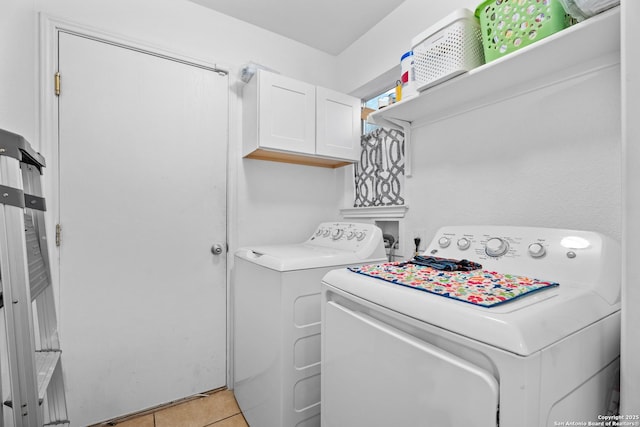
[448, 48]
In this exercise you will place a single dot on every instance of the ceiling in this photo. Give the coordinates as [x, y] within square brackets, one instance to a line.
[328, 25]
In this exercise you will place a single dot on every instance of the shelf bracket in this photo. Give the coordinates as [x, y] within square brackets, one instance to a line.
[405, 127]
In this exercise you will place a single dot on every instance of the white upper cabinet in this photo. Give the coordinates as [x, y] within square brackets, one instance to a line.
[286, 113]
[337, 124]
[287, 120]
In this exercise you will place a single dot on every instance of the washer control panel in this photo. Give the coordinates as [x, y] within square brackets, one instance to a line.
[545, 253]
[346, 235]
[494, 244]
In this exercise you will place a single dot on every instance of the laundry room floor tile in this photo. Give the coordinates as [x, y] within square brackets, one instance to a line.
[235, 421]
[216, 409]
[141, 421]
[199, 412]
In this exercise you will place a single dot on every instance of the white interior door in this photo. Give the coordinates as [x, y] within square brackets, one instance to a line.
[142, 191]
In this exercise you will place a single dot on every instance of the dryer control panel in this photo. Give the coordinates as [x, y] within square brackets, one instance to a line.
[347, 236]
[586, 258]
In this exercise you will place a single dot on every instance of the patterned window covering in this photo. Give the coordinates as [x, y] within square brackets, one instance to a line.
[379, 175]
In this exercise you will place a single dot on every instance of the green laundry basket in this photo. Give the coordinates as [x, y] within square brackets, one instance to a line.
[509, 25]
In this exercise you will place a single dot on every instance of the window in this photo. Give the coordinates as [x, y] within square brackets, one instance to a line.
[373, 104]
[379, 175]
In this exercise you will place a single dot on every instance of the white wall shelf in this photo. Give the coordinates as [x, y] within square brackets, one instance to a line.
[375, 212]
[583, 48]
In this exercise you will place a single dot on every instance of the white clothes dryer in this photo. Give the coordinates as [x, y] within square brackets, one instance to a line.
[397, 355]
[276, 312]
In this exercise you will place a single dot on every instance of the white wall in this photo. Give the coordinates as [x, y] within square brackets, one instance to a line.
[18, 38]
[549, 159]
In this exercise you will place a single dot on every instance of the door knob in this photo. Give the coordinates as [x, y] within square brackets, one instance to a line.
[217, 249]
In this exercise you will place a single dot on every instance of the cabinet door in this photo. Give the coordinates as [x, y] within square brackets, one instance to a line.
[338, 122]
[286, 114]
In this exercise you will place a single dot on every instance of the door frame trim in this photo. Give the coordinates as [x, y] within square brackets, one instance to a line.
[48, 131]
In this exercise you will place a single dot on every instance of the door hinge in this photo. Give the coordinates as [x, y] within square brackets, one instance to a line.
[58, 234]
[57, 83]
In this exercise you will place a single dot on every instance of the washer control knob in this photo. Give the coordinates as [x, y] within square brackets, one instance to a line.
[351, 235]
[464, 243]
[326, 232]
[360, 235]
[496, 247]
[319, 231]
[337, 233]
[536, 250]
[444, 242]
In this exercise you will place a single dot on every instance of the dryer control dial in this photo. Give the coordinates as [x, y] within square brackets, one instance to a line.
[496, 247]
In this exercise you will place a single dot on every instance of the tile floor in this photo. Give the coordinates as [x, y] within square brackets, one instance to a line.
[217, 408]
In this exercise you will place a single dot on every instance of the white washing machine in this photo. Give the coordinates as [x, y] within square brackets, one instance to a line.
[276, 300]
[395, 355]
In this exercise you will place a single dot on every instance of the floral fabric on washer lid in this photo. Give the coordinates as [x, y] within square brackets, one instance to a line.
[479, 287]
